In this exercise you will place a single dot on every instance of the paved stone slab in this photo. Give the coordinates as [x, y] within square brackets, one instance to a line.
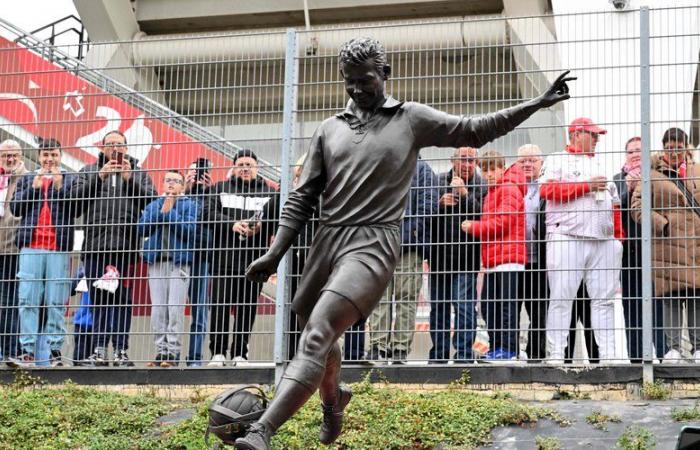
[655, 416]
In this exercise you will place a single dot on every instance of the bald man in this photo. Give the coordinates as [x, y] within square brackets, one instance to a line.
[532, 283]
[454, 258]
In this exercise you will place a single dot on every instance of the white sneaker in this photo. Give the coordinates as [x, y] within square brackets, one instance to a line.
[673, 357]
[554, 362]
[217, 361]
[523, 355]
[239, 361]
[696, 357]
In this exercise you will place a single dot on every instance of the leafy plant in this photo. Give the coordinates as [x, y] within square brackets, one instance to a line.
[656, 391]
[686, 414]
[600, 420]
[636, 438]
[547, 443]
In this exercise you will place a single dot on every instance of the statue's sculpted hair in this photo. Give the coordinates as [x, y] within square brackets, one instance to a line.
[358, 50]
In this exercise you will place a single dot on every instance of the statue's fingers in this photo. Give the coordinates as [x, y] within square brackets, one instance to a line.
[562, 76]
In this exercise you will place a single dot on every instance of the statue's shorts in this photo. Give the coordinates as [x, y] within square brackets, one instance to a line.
[355, 262]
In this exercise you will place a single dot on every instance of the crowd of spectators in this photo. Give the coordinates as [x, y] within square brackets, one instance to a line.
[549, 238]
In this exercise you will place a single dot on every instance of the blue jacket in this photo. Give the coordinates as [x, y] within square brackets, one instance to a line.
[83, 316]
[182, 220]
[422, 199]
[27, 205]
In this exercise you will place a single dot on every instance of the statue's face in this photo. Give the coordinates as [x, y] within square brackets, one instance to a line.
[364, 84]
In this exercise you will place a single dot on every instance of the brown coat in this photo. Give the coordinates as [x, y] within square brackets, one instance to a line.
[675, 228]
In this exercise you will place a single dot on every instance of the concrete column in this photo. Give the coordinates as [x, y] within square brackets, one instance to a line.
[110, 24]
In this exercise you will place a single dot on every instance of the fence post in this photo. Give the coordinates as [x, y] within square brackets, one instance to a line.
[289, 108]
[645, 120]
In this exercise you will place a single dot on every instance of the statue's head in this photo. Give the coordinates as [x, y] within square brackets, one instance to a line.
[362, 63]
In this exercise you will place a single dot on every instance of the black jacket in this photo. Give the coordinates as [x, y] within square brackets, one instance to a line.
[541, 236]
[302, 245]
[111, 208]
[632, 250]
[452, 249]
[28, 202]
[232, 201]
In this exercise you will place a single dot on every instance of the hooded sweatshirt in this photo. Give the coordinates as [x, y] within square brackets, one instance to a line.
[502, 225]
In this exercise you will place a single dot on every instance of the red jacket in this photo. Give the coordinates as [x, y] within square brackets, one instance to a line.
[502, 225]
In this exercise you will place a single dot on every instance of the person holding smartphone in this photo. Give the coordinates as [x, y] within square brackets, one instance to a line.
[626, 181]
[112, 193]
[233, 213]
[44, 237]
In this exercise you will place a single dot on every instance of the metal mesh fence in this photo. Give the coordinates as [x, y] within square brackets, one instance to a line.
[569, 240]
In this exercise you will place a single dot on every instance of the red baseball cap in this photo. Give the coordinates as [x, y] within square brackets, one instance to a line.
[585, 124]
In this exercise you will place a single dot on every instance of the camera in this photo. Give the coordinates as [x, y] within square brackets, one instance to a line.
[620, 4]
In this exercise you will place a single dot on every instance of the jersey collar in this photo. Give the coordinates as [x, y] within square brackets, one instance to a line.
[389, 104]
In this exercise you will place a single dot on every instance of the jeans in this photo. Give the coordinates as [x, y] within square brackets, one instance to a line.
[111, 313]
[499, 306]
[9, 317]
[43, 282]
[447, 291]
[199, 310]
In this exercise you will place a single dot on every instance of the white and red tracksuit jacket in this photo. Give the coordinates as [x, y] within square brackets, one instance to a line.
[572, 208]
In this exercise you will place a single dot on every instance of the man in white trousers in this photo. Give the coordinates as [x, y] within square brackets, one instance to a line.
[583, 239]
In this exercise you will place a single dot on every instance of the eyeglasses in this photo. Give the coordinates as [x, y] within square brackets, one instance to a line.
[174, 181]
[7, 155]
[115, 145]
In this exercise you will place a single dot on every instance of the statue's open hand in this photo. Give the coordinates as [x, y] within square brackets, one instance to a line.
[557, 92]
[261, 269]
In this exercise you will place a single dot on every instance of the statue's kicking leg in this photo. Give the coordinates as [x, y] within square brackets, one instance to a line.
[316, 364]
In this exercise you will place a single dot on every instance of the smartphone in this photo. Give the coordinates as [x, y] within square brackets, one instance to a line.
[120, 158]
[203, 166]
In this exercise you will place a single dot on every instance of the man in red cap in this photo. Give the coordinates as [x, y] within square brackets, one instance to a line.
[583, 228]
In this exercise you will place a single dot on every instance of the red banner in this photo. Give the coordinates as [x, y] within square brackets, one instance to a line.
[38, 98]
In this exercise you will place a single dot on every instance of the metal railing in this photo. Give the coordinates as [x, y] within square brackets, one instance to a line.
[457, 297]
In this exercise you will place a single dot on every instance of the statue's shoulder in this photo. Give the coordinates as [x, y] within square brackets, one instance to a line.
[327, 125]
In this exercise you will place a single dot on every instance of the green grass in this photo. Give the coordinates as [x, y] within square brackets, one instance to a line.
[37, 417]
[600, 420]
